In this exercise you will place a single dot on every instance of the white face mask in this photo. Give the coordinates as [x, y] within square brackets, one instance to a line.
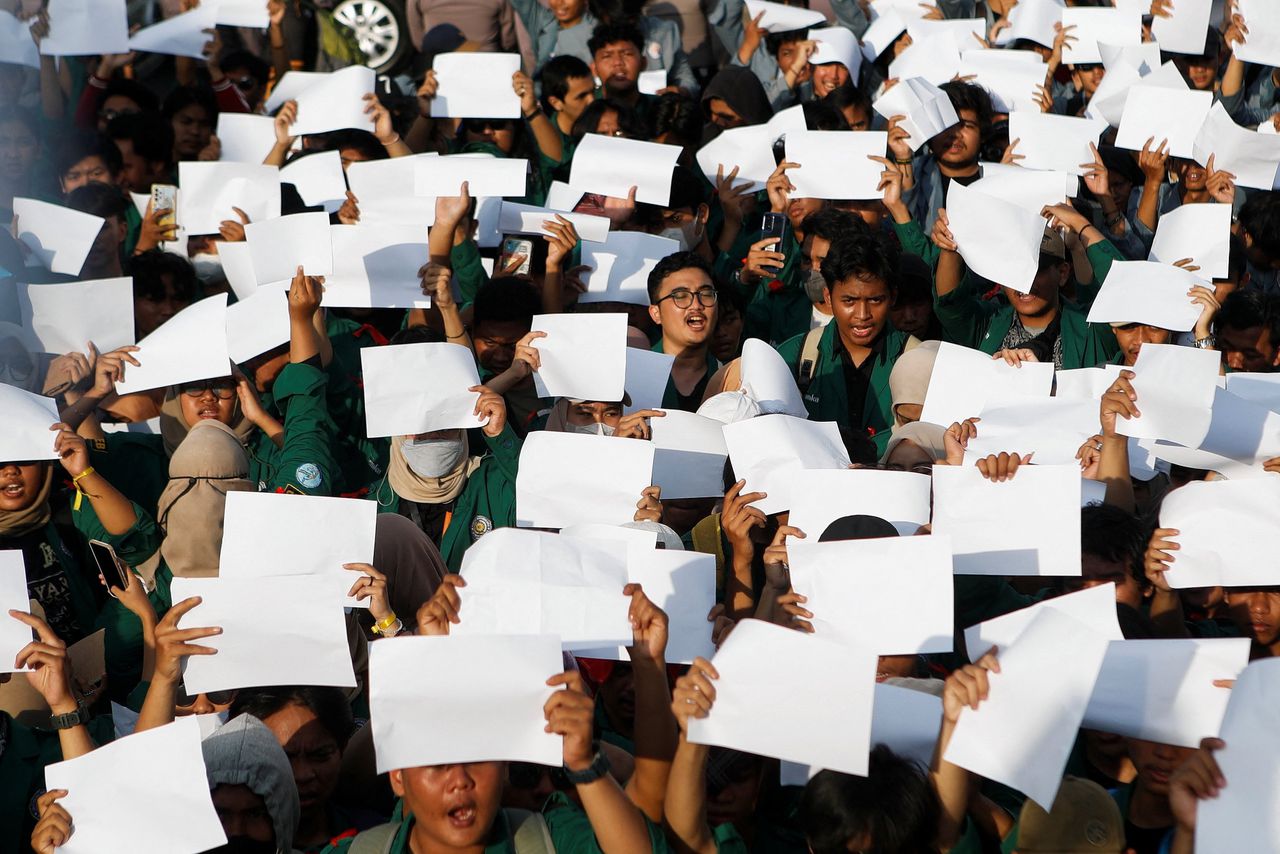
[815, 287]
[432, 457]
[595, 428]
[208, 267]
[688, 235]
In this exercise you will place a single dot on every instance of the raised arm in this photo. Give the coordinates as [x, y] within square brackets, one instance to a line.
[686, 805]
[655, 728]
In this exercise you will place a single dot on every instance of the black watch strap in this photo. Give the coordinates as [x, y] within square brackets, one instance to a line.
[70, 719]
[598, 768]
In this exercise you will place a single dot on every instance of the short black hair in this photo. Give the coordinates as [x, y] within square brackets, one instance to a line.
[258, 68]
[329, 705]
[557, 73]
[99, 199]
[846, 96]
[81, 144]
[773, 42]
[861, 255]
[184, 96]
[360, 140]
[1260, 219]
[892, 810]
[149, 268]
[628, 122]
[674, 263]
[970, 96]
[830, 223]
[418, 335]
[1115, 535]
[150, 134]
[606, 34]
[680, 116]
[1246, 309]
[822, 115]
[123, 87]
[505, 299]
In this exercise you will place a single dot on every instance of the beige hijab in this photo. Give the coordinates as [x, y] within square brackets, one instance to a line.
[174, 428]
[208, 464]
[15, 523]
[411, 486]
[909, 379]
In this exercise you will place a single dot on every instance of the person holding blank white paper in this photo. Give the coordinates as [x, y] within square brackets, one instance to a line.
[1041, 319]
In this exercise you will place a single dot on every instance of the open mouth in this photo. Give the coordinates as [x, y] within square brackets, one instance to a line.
[462, 816]
[13, 490]
[696, 322]
[862, 331]
[208, 412]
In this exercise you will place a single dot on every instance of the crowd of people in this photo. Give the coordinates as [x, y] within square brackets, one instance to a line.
[859, 298]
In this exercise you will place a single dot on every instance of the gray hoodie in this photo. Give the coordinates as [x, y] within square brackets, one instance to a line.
[244, 752]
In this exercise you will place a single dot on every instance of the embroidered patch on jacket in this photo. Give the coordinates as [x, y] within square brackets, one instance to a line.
[308, 475]
[480, 526]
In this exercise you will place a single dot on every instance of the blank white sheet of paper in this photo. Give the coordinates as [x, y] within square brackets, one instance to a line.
[683, 585]
[927, 108]
[612, 165]
[335, 101]
[243, 13]
[885, 28]
[476, 86]
[934, 58]
[1051, 141]
[689, 455]
[836, 164]
[1174, 387]
[385, 189]
[771, 383]
[779, 17]
[647, 375]
[191, 345]
[419, 388]
[245, 138]
[998, 240]
[620, 266]
[1154, 112]
[486, 692]
[209, 191]
[181, 35]
[1010, 76]
[1246, 814]
[583, 356]
[1163, 691]
[1199, 232]
[1149, 292]
[15, 41]
[1094, 607]
[1262, 44]
[891, 595]
[65, 317]
[1052, 428]
[279, 246]
[377, 267]
[516, 218]
[25, 419]
[821, 496]
[567, 479]
[964, 381]
[484, 176]
[1243, 431]
[1185, 29]
[58, 237]
[86, 28]
[1023, 732]
[1027, 188]
[258, 323]
[318, 178]
[1032, 20]
[534, 582]
[766, 450]
[268, 534]
[1225, 531]
[111, 793]
[792, 696]
[1248, 154]
[1099, 24]
[252, 651]
[15, 635]
[978, 516]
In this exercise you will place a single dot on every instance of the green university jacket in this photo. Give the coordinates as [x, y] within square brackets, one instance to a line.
[826, 398]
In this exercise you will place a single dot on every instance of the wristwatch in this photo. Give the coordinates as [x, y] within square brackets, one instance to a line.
[598, 768]
[70, 719]
[1209, 342]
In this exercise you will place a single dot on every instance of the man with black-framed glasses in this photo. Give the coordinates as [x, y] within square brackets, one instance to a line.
[683, 300]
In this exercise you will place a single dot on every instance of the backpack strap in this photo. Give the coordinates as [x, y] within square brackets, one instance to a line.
[808, 362]
[529, 832]
[375, 840]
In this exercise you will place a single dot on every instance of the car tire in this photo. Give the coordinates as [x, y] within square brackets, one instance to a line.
[381, 30]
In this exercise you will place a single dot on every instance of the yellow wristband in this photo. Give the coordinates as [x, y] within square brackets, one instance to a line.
[382, 625]
[75, 481]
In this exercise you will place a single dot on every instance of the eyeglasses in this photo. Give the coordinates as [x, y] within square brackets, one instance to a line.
[244, 84]
[683, 297]
[223, 389]
[182, 700]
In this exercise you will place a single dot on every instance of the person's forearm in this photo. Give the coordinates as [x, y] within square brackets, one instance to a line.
[148, 646]
[1148, 204]
[75, 414]
[545, 135]
[75, 741]
[949, 273]
[1184, 841]
[158, 706]
[618, 825]
[656, 734]
[397, 148]
[729, 232]
[504, 382]
[455, 331]
[114, 511]
[952, 785]
[278, 155]
[1113, 471]
[739, 589]
[685, 810]
[51, 100]
[552, 291]
[422, 136]
[279, 59]
[321, 327]
[1233, 78]
[440, 239]
[304, 343]
[1166, 613]
[766, 608]
[184, 69]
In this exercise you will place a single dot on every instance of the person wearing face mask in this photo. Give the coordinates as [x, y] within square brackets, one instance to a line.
[684, 219]
[600, 418]
[454, 497]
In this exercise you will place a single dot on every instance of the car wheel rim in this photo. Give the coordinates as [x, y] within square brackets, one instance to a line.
[375, 28]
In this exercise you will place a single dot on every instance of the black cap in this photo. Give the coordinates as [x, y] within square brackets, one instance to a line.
[858, 527]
